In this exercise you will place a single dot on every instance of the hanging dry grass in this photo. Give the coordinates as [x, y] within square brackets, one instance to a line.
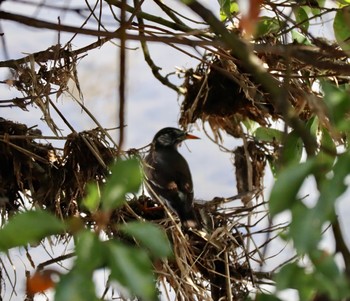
[44, 176]
[223, 94]
[220, 262]
[211, 264]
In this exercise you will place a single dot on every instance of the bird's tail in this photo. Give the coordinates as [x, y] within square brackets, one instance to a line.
[191, 221]
[190, 224]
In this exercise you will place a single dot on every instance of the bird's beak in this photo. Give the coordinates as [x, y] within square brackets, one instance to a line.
[189, 136]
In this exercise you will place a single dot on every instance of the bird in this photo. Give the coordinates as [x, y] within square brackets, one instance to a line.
[168, 175]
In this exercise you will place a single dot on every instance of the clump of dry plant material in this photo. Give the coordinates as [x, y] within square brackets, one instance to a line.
[223, 94]
[45, 176]
[219, 262]
[210, 264]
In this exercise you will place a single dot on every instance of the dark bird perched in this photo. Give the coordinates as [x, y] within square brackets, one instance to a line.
[168, 175]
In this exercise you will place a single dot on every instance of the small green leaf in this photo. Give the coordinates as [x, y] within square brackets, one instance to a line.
[284, 192]
[224, 9]
[29, 227]
[90, 252]
[234, 7]
[267, 25]
[301, 17]
[93, 198]
[126, 177]
[132, 268]
[337, 100]
[333, 188]
[150, 236]
[75, 286]
[328, 275]
[341, 27]
[313, 125]
[268, 134]
[227, 8]
[250, 125]
[292, 150]
[300, 38]
[293, 276]
[305, 228]
[324, 263]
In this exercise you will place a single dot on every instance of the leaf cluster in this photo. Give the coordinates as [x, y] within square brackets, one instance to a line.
[129, 265]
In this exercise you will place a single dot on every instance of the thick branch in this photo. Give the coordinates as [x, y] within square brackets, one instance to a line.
[32, 22]
[341, 246]
[317, 57]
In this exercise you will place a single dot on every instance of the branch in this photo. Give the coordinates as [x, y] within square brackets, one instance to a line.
[152, 18]
[318, 57]
[155, 69]
[122, 73]
[244, 52]
[32, 22]
[341, 246]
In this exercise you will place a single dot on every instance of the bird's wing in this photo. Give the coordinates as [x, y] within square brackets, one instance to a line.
[169, 173]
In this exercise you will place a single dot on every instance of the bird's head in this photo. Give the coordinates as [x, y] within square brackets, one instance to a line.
[171, 137]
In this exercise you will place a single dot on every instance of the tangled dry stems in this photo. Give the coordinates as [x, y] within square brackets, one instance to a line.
[207, 265]
[222, 263]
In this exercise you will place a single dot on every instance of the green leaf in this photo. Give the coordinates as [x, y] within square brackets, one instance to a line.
[300, 38]
[313, 126]
[341, 27]
[150, 236]
[284, 192]
[92, 199]
[328, 275]
[267, 25]
[227, 8]
[250, 125]
[293, 276]
[75, 286]
[29, 227]
[268, 134]
[126, 178]
[224, 8]
[292, 150]
[324, 263]
[91, 252]
[337, 100]
[333, 188]
[301, 17]
[132, 268]
[305, 228]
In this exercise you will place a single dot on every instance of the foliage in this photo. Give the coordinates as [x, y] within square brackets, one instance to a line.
[266, 77]
[129, 265]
